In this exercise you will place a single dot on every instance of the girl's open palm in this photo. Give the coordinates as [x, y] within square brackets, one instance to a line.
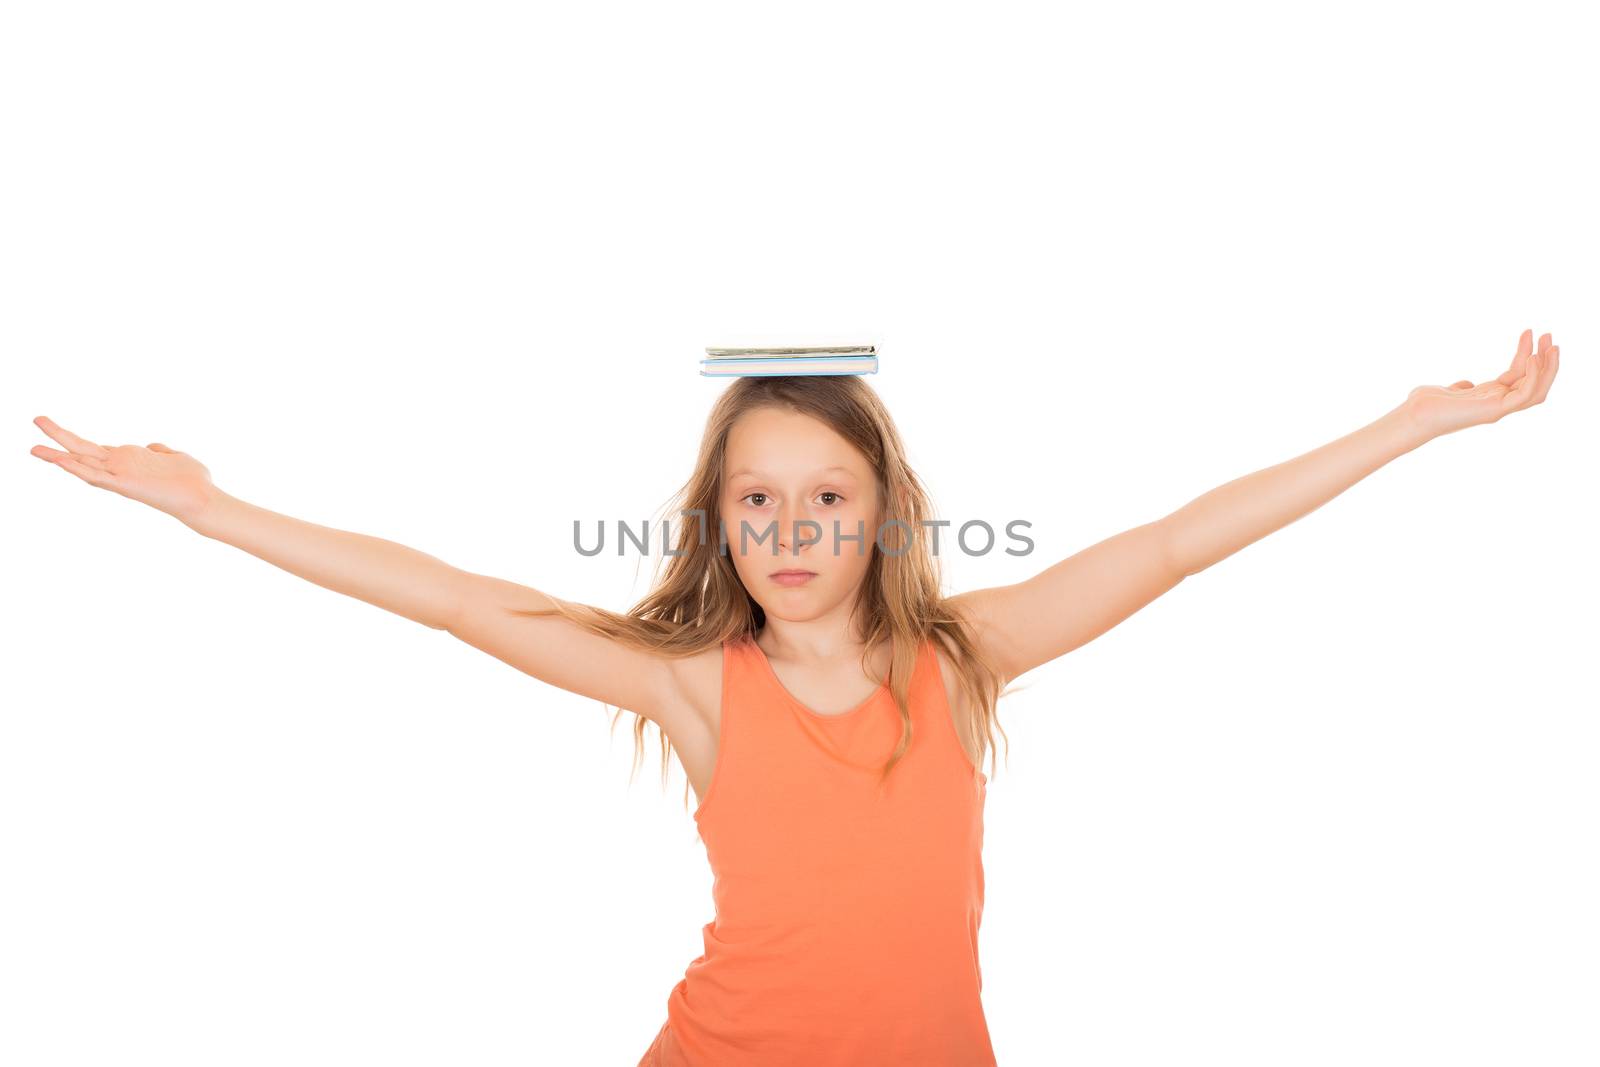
[167, 480]
[1440, 410]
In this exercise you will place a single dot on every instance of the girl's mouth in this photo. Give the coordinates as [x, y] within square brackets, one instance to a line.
[792, 577]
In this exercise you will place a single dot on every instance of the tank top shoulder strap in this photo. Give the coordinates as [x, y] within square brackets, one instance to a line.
[929, 684]
[748, 685]
[737, 665]
[925, 675]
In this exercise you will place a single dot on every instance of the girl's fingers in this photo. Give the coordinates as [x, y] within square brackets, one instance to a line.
[78, 445]
[1524, 350]
[92, 475]
[1519, 396]
[1552, 364]
[1519, 362]
[53, 456]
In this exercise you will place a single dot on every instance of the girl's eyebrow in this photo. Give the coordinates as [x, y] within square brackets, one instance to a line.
[758, 474]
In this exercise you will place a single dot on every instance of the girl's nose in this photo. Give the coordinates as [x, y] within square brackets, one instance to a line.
[793, 534]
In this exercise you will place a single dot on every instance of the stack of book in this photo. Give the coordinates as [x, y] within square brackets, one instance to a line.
[741, 362]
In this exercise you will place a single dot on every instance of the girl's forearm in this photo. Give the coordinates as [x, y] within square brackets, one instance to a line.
[388, 575]
[1215, 526]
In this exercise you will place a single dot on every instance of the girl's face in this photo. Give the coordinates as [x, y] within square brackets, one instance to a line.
[785, 472]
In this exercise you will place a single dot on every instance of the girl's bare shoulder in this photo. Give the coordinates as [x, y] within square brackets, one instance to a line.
[697, 689]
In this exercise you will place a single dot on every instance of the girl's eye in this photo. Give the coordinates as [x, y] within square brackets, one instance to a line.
[752, 496]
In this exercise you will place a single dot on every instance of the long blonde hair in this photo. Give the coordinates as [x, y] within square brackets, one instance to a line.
[701, 602]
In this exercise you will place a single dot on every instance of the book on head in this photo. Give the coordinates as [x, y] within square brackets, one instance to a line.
[817, 360]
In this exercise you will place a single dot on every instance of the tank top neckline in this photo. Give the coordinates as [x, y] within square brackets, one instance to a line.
[772, 676]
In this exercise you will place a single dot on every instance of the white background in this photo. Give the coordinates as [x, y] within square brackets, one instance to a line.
[443, 273]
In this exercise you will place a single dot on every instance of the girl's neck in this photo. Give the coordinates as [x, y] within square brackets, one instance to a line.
[808, 643]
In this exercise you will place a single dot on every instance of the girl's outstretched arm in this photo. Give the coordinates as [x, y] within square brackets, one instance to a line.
[383, 573]
[1024, 625]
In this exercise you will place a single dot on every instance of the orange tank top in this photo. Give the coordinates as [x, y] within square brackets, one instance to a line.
[846, 928]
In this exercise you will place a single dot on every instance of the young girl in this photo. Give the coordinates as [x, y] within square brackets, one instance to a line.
[830, 706]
